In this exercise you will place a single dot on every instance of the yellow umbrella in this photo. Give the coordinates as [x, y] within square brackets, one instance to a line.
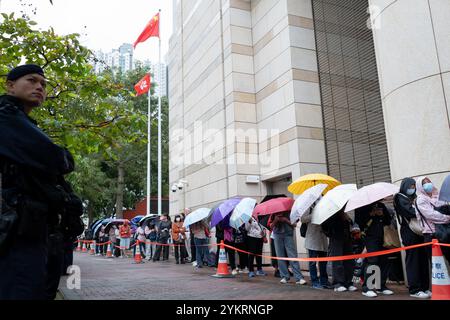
[304, 183]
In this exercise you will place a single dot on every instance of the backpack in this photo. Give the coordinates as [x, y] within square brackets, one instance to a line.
[239, 235]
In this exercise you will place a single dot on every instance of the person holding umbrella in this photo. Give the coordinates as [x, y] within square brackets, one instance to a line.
[163, 231]
[229, 240]
[255, 243]
[336, 224]
[417, 268]
[316, 241]
[372, 219]
[283, 233]
[338, 230]
[200, 231]
[125, 238]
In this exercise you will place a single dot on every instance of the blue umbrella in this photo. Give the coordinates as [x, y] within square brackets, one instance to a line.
[106, 221]
[135, 221]
[96, 224]
[242, 213]
[224, 210]
[196, 216]
[444, 195]
[99, 225]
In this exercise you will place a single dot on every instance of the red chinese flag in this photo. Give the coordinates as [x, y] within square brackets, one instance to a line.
[151, 30]
[143, 86]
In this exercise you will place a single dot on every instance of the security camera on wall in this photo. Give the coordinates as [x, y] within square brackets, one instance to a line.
[180, 185]
[174, 188]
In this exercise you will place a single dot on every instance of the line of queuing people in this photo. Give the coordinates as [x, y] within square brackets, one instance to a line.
[417, 209]
[416, 204]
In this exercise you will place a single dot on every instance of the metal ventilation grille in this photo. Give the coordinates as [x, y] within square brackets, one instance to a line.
[351, 102]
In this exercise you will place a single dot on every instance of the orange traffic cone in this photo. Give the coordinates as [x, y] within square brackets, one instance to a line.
[79, 246]
[137, 255]
[440, 275]
[222, 268]
[84, 247]
[93, 247]
[108, 251]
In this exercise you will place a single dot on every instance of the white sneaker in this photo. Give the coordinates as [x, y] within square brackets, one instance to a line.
[352, 289]
[428, 292]
[420, 295]
[194, 264]
[234, 272]
[244, 271]
[284, 281]
[387, 292]
[340, 289]
[301, 282]
[370, 294]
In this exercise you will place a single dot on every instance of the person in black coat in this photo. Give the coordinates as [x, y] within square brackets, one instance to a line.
[338, 230]
[372, 219]
[417, 268]
[163, 228]
[219, 238]
[33, 191]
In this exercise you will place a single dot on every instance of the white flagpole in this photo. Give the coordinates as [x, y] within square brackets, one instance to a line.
[149, 167]
[159, 125]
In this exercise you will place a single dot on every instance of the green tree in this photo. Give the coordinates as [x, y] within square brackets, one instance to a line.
[97, 117]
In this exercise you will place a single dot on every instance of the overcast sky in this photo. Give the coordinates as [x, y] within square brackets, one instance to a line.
[109, 23]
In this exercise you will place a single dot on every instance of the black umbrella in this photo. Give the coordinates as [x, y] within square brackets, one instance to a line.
[148, 220]
[272, 196]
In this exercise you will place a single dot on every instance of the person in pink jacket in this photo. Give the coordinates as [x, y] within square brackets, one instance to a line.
[427, 201]
[426, 204]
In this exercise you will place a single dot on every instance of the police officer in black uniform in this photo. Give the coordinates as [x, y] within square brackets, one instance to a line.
[37, 204]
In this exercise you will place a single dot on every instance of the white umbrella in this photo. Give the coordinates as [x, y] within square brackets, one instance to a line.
[370, 194]
[242, 212]
[196, 216]
[332, 202]
[305, 201]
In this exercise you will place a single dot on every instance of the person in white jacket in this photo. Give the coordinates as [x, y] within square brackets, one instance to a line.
[316, 242]
[255, 235]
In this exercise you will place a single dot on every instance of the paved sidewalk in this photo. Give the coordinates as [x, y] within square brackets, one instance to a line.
[119, 279]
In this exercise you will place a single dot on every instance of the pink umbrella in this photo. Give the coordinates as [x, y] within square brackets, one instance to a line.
[273, 206]
[370, 194]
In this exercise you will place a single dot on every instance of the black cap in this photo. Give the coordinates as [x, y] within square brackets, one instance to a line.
[20, 71]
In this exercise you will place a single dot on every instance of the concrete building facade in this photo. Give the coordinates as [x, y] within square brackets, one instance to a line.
[412, 43]
[262, 92]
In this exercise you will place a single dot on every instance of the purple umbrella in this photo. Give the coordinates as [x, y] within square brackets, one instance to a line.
[223, 211]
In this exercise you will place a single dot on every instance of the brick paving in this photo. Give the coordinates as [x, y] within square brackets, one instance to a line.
[122, 279]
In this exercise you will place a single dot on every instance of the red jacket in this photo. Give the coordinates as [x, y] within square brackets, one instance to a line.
[125, 232]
